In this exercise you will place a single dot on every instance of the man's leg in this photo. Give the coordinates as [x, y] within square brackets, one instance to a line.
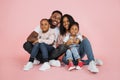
[28, 46]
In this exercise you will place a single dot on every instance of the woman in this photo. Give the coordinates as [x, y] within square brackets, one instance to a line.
[84, 46]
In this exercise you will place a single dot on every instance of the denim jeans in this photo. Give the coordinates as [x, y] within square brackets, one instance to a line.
[44, 48]
[84, 48]
[28, 46]
[72, 52]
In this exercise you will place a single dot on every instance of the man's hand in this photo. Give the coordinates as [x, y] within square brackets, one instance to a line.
[35, 41]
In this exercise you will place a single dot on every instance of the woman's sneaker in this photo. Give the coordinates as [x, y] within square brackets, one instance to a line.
[98, 62]
[45, 66]
[28, 66]
[92, 67]
[71, 66]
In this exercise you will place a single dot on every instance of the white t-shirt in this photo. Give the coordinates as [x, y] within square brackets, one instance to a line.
[56, 30]
[79, 36]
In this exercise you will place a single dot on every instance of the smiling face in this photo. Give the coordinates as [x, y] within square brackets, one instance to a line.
[55, 18]
[74, 30]
[44, 25]
[66, 23]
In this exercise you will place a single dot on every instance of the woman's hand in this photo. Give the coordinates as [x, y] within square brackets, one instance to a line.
[84, 37]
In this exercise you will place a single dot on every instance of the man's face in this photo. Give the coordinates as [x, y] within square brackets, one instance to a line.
[55, 19]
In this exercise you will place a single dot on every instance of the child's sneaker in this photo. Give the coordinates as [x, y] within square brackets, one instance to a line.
[45, 66]
[71, 66]
[28, 66]
[80, 64]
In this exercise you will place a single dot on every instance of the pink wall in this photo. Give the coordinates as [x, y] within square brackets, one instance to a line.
[99, 21]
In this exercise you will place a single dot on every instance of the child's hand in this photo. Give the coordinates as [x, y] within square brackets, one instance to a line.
[70, 41]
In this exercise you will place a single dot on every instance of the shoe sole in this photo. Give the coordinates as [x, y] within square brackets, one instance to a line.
[70, 69]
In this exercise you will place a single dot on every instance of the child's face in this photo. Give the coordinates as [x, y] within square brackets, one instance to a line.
[74, 30]
[66, 23]
[44, 25]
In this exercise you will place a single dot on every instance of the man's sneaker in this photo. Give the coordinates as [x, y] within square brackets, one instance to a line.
[92, 67]
[71, 66]
[45, 66]
[98, 62]
[80, 64]
[28, 66]
[36, 61]
[55, 63]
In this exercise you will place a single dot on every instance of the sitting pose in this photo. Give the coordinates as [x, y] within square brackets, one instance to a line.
[44, 43]
[72, 40]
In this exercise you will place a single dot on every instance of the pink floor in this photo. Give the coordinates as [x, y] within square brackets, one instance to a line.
[99, 21]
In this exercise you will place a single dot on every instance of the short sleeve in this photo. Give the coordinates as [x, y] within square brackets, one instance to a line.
[66, 39]
[80, 37]
[37, 29]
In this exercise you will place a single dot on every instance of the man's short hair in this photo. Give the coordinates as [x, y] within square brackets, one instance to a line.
[57, 11]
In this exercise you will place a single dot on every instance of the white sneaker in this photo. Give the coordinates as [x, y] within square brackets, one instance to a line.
[92, 67]
[71, 68]
[36, 62]
[98, 62]
[45, 66]
[55, 63]
[78, 67]
[28, 66]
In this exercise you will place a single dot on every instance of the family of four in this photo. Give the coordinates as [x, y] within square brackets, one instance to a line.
[59, 29]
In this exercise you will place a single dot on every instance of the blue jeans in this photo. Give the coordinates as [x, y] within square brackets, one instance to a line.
[45, 49]
[72, 52]
[84, 48]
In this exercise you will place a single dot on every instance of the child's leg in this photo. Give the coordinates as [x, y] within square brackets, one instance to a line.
[34, 52]
[45, 50]
[69, 58]
[75, 53]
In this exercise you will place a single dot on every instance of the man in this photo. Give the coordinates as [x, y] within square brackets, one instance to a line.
[55, 22]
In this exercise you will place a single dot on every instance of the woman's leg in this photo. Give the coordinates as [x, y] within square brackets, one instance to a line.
[85, 48]
[34, 52]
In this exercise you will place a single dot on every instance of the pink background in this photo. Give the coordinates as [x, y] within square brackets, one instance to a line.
[99, 20]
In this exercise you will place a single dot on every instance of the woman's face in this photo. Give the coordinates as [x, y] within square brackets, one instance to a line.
[66, 23]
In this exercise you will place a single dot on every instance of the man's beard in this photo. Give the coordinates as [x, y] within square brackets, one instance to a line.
[52, 26]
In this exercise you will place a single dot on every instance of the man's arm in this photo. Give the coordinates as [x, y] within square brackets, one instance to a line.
[32, 37]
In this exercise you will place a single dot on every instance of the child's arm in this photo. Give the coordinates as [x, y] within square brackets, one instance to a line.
[69, 42]
[77, 41]
[50, 39]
